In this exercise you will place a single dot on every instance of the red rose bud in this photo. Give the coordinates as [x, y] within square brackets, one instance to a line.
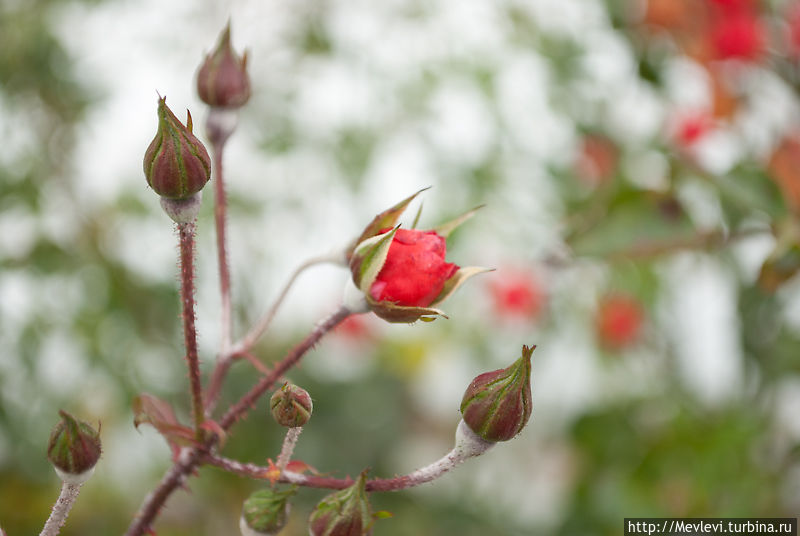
[415, 271]
[497, 405]
[222, 81]
[343, 513]
[266, 512]
[291, 406]
[402, 273]
[74, 449]
[176, 164]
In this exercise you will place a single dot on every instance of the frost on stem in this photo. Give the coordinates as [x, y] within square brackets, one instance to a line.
[183, 210]
[69, 492]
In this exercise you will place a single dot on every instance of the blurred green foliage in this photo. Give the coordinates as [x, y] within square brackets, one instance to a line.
[656, 451]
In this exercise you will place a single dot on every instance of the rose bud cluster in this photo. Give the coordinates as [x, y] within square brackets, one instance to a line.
[497, 405]
[291, 406]
[176, 165]
[266, 512]
[403, 273]
[343, 513]
[74, 449]
[222, 81]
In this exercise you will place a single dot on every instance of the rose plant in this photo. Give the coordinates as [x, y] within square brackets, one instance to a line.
[399, 274]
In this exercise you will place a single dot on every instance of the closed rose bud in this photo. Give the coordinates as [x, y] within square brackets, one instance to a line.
[176, 164]
[403, 273]
[222, 80]
[266, 512]
[497, 405]
[291, 406]
[74, 449]
[343, 513]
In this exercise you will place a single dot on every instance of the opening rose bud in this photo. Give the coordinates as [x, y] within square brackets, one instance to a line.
[403, 273]
[497, 405]
[415, 271]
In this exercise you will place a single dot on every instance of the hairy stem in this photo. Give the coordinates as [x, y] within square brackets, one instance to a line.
[220, 207]
[191, 458]
[263, 323]
[463, 450]
[239, 349]
[244, 404]
[175, 477]
[186, 236]
[69, 492]
[287, 449]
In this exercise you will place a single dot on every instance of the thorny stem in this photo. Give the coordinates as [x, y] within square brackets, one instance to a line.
[191, 458]
[69, 492]
[186, 238]
[176, 476]
[226, 358]
[263, 323]
[244, 404]
[460, 453]
[287, 448]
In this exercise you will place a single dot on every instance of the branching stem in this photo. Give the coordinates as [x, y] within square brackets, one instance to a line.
[243, 347]
[460, 453]
[190, 458]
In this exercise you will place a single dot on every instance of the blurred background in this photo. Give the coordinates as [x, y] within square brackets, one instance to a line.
[640, 165]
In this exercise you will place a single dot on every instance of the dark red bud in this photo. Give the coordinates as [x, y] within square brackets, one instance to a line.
[497, 405]
[176, 164]
[223, 80]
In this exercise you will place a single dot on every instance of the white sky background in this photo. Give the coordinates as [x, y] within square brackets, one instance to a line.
[129, 50]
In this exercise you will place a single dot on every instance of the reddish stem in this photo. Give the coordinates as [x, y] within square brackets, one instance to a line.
[173, 478]
[258, 472]
[186, 238]
[239, 409]
[220, 206]
[191, 458]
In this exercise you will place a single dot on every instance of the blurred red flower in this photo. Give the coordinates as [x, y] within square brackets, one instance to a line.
[619, 320]
[517, 294]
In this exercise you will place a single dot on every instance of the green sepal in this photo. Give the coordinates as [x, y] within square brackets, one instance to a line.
[458, 279]
[399, 314]
[446, 228]
[368, 259]
[265, 510]
[384, 220]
